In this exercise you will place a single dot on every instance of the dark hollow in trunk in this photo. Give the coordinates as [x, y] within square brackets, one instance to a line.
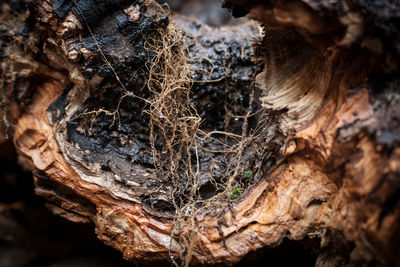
[200, 143]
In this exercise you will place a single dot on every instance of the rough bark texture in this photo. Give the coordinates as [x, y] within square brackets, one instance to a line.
[327, 156]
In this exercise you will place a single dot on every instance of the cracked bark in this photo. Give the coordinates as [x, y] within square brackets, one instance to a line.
[329, 151]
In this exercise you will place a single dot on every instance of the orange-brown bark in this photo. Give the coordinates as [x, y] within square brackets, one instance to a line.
[338, 181]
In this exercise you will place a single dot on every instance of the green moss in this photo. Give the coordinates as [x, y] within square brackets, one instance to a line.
[236, 193]
[247, 174]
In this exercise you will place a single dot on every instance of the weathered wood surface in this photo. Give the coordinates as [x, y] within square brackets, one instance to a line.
[330, 80]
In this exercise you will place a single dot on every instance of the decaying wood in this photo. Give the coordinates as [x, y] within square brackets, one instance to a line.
[330, 150]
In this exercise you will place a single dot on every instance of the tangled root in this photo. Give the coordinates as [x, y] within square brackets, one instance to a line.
[176, 136]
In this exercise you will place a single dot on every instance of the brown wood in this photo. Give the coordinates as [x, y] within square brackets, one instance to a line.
[329, 81]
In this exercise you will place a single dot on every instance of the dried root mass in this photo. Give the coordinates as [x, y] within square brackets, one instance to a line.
[200, 144]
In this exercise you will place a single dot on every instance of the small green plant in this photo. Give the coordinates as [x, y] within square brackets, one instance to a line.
[236, 193]
[247, 174]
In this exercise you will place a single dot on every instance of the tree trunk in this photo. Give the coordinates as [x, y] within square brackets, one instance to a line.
[199, 144]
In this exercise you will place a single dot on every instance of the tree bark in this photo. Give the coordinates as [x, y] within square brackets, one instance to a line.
[123, 109]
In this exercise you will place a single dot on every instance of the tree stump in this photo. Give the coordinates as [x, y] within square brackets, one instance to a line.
[198, 144]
